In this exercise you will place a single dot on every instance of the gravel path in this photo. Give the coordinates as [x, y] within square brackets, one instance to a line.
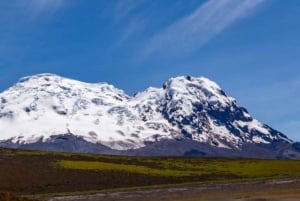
[269, 190]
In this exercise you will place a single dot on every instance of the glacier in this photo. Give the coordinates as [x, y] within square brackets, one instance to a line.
[41, 106]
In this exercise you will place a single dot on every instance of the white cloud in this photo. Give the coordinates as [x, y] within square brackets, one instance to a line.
[41, 6]
[126, 14]
[193, 31]
[123, 8]
[133, 26]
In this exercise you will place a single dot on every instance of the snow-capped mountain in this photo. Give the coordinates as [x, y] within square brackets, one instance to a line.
[39, 108]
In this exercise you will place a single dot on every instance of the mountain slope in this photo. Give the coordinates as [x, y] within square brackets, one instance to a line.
[38, 109]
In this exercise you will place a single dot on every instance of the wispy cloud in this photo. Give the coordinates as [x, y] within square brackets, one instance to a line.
[136, 24]
[127, 13]
[37, 7]
[123, 8]
[193, 31]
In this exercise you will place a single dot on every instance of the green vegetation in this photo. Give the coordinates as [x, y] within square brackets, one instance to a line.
[36, 172]
[137, 169]
[218, 169]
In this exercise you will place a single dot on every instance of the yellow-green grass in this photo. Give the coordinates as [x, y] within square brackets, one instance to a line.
[218, 169]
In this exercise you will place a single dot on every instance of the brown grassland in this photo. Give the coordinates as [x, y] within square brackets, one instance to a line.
[5, 196]
[48, 173]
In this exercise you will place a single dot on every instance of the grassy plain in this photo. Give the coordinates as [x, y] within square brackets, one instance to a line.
[35, 172]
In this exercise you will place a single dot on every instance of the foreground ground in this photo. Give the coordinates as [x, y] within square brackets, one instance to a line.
[43, 173]
[269, 190]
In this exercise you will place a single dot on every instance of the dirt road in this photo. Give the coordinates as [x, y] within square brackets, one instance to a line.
[270, 190]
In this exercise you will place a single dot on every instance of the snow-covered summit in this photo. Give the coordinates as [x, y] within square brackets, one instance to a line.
[56, 84]
[40, 106]
[197, 89]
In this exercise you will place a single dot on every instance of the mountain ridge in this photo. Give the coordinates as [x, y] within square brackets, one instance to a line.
[39, 107]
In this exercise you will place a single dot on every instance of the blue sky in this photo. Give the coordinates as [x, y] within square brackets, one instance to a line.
[251, 48]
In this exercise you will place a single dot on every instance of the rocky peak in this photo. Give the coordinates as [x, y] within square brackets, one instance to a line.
[40, 106]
